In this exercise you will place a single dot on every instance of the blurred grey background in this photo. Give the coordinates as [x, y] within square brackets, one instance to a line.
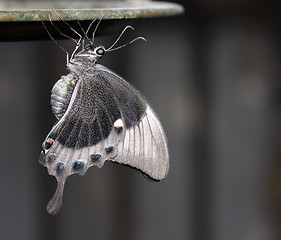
[213, 77]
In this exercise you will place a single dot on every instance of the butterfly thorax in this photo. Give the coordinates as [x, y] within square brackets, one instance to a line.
[80, 64]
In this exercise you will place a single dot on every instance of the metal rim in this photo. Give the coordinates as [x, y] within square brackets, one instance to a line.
[37, 11]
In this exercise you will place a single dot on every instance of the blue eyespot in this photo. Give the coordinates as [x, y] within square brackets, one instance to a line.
[95, 157]
[60, 168]
[109, 149]
[78, 165]
[51, 157]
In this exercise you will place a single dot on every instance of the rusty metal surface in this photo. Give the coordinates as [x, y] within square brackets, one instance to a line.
[22, 20]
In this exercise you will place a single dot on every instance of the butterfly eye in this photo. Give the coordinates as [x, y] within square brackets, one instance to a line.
[100, 51]
[88, 47]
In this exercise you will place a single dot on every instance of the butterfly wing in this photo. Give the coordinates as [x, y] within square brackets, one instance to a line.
[144, 146]
[106, 119]
[85, 135]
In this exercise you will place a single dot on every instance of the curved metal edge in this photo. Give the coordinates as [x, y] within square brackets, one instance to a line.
[149, 10]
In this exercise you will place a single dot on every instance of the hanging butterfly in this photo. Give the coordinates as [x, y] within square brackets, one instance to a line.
[100, 117]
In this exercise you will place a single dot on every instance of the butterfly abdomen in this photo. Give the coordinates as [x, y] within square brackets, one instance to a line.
[61, 94]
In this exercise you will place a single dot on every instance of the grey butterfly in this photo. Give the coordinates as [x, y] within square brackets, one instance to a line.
[100, 117]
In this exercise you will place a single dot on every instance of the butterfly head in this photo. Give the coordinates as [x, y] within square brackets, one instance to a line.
[86, 58]
[91, 53]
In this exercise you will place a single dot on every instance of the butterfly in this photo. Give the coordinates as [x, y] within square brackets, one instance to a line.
[100, 117]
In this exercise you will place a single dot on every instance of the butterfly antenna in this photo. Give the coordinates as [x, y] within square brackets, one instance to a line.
[73, 30]
[78, 43]
[94, 33]
[116, 41]
[59, 31]
[88, 29]
[85, 33]
[138, 38]
[67, 54]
